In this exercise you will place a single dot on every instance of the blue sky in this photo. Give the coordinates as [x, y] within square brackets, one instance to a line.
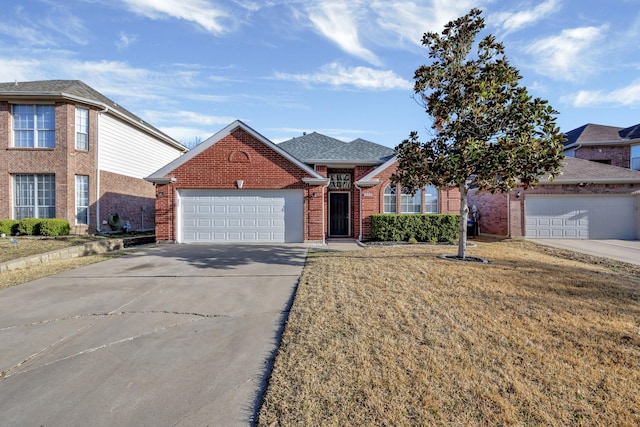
[341, 68]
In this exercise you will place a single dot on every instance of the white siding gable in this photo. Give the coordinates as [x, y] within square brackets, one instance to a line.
[125, 150]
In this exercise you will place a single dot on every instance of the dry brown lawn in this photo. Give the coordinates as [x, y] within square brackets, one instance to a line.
[27, 246]
[398, 337]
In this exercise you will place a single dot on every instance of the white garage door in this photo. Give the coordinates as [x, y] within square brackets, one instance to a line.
[224, 216]
[580, 217]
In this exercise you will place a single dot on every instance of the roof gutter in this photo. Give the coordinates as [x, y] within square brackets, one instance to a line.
[592, 181]
[160, 181]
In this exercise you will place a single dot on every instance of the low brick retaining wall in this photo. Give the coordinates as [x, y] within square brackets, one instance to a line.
[91, 248]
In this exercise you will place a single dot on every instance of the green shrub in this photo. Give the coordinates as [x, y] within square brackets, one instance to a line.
[29, 226]
[422, 228]
[54, 227]
[9, 226]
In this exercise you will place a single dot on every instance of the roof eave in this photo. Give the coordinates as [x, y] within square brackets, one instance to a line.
[367, 184]
[316, 181]
[29, 95]
[587, 181]
[159, 180]
[332, 162]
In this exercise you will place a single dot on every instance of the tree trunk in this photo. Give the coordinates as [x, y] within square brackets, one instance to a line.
[464, 216]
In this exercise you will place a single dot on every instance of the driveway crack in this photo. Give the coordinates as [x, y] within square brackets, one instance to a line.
[7, 373]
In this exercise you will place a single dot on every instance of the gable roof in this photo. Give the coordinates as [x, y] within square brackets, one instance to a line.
[580, 171]
[159, 176]
[78, 91]
[314, 148]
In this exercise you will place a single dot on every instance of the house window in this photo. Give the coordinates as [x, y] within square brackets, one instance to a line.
[82, 129]
[34, 126]
[410, 204]
[390, 199]
[82, 199]
[34, 196]
[430, 199]
[635, 157]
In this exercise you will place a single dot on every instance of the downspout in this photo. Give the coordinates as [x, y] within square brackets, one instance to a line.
[98, 224]
[324, 240]
[508, 215]
[359, 212]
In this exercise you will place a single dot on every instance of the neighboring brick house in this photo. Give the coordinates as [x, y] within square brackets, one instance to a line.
[237, 186]
[70, 152]
[610, 145]
[589, 200]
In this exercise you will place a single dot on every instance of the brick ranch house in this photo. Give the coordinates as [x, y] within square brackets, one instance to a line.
[237, 186]
[69, 152]
[589, 200]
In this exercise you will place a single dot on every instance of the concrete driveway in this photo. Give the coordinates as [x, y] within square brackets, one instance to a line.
[621, 250]
[178, 335]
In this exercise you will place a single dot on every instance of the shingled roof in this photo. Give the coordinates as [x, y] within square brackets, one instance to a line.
[593, 133]
[317, 148]
[580, 171]
[75, 90]
[632, 132]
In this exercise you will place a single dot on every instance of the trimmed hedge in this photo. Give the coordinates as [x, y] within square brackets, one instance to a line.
[431, 228]
[9, 226]
[54, 227]
[35, 227]
[29, 226]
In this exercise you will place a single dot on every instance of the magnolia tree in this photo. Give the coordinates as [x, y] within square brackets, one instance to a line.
[488, 132]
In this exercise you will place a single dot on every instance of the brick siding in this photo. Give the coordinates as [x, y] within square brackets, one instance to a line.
[617, 155]
[121, 194]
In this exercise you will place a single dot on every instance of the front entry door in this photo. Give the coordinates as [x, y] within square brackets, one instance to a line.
[338, 214]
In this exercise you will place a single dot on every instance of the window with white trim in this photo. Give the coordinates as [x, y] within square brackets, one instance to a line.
[34, 126]
[34, 196]
[82, 199]
[430, 199]
[411, 204]
[635, 157]
[390, 199]
[82, 128]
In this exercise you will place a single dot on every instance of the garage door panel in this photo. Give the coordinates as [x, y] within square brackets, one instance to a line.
[241, 216]
[580, 217]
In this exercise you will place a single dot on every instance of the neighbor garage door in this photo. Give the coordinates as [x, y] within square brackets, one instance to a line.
[580, 217]
[208, 216]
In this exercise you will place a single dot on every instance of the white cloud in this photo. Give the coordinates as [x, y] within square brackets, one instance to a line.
[338, 21]
[569, 55]
[125, 40]
[335, 74]
[211, 17]
[626, 96]
[514, 21]
[409, 20]
[182, 116]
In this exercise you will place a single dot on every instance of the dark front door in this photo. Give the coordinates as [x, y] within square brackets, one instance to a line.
[338, 214]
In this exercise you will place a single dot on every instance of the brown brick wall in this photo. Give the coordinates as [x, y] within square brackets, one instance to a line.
[236, 156]
[618, 155]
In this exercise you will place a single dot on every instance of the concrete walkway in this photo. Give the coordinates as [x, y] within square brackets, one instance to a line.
[620, 250]
[177, 335]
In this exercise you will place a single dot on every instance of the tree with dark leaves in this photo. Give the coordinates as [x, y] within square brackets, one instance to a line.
[488, 132]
